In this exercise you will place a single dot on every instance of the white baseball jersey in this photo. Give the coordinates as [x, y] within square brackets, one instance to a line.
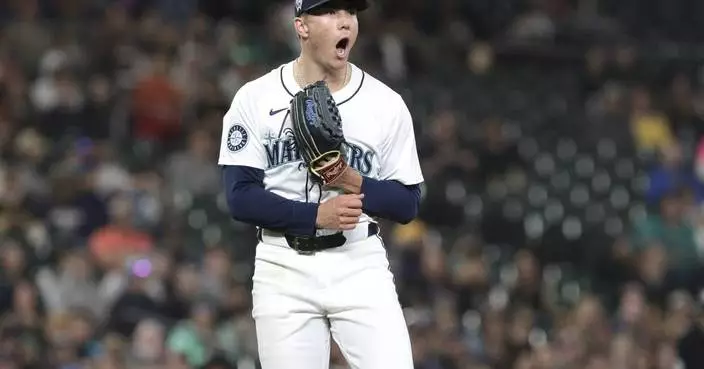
[376, 122]
[348, 292]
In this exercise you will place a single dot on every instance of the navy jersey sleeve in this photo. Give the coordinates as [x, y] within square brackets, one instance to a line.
[390, 200]
[250, 203]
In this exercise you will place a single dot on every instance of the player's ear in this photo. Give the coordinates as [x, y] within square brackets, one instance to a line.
[299, 23]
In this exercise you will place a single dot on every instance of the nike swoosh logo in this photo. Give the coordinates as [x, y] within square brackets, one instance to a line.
[274, 112]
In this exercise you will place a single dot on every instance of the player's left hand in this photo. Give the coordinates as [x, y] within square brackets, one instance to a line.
[340, 213]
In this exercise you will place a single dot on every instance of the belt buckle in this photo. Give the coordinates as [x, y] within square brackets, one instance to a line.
[296, 246]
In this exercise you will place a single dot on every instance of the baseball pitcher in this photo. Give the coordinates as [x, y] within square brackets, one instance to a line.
[312, 153]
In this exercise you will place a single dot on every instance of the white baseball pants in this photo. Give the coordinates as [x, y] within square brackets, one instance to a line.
[349, 292]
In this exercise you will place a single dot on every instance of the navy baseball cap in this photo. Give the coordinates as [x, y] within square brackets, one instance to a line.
[303, 6]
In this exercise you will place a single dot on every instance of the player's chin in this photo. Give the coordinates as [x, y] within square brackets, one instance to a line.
[340, 58]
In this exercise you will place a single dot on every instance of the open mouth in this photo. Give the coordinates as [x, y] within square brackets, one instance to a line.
[341, 46]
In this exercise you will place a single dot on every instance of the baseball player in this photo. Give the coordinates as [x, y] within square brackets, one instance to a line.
[321, 269]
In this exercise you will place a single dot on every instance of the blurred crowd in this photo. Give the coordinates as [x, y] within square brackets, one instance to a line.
[561, 225]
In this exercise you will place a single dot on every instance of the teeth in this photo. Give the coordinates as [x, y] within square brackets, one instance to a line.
[341, 48]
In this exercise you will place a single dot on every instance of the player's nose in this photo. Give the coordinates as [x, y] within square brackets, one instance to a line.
[344, 19]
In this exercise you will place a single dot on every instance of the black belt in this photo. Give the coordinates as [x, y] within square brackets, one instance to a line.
[311, 244]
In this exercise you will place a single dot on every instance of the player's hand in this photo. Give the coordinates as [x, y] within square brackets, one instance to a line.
[350, 182]
[340, 213]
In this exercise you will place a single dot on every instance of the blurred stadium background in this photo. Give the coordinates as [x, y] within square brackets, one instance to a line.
[561, 225]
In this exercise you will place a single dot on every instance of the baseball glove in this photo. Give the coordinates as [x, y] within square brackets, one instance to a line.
[317, 130]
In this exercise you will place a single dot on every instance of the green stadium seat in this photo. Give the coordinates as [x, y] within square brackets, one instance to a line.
[544, 165]
[561, 181]
[601, 182]
[537, 195]
[182, 200]
[595, 213]
[534, 225]
[606, 150]
[566, 149]
[580, 195]
[554, 211]
[528, 148]
[197, 219]
[584, 166]
[619, 198]
[572, 228]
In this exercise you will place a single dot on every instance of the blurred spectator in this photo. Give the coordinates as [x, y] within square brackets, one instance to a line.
[100, 97]
[698, 161]
[497, 155]
[133, 306]
[671, 174]
[608, 117]
[194, 338]
[219, 363]
[217, 272]
[669, 228]
[190, 171]
[534, 25]
[443, 158]
[147, 348]
[480, 58]
[60, 101]
[75, 212]
[444, 141]
[593, 75]
[72, 287]
[689, 345]
[651, 128]
[24, 325]
[527, 290]
[470, 275]
[681, 108]
[625, 67]
[30, 150]
[393, 53]
[157, 104]
[27, 38]
[112, 244]
[146, 198]
[109, 175]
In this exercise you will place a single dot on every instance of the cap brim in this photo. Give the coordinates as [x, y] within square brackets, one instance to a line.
[360, 5]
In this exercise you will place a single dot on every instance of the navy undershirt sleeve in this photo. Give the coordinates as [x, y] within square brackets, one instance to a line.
[250, 203]
[390, 200]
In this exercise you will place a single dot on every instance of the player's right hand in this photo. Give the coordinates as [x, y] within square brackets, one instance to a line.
[340, 213]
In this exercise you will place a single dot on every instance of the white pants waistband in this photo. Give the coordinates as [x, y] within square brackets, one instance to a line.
[359, 233]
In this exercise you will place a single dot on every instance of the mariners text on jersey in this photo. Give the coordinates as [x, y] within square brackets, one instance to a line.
[282, 151]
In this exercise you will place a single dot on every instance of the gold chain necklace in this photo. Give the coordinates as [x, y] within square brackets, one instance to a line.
[302, 83]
